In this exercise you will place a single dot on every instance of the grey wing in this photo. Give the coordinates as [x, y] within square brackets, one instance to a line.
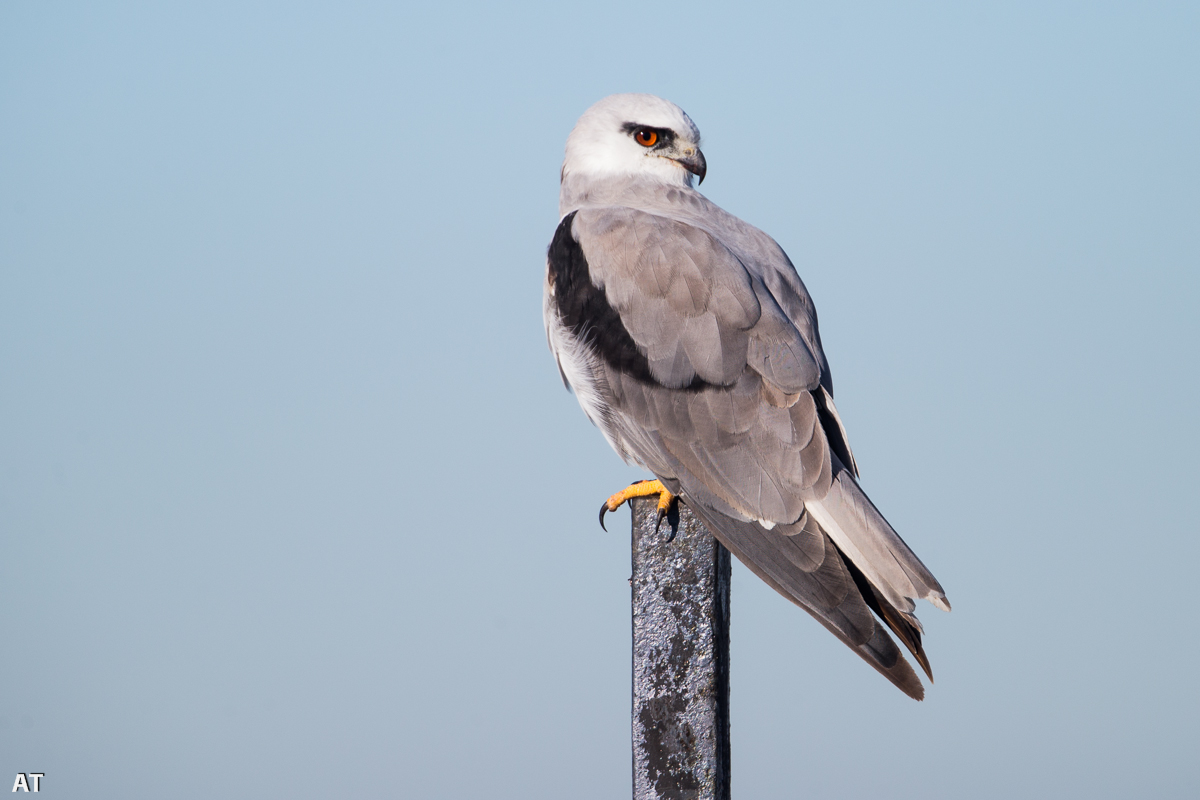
[728, 378]
[733, 406]
[731, 385]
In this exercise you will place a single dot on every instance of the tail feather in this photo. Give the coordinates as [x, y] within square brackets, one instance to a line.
[906, 627]
[866, 538]
[826, 588]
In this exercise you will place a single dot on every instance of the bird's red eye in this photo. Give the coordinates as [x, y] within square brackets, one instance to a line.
[645, 137]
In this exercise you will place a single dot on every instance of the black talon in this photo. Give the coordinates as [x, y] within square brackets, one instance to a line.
[603, 511]
[671, 515]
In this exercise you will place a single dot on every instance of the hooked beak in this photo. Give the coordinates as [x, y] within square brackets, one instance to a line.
[693, 161]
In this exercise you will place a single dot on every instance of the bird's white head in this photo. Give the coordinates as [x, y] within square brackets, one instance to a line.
[635, 135]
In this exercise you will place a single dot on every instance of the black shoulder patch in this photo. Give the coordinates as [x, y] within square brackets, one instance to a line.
[584, 309]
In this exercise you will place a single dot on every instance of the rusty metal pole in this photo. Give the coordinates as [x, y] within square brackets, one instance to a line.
[680, 660]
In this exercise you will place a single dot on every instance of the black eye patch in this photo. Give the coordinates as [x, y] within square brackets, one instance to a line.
[665, 136]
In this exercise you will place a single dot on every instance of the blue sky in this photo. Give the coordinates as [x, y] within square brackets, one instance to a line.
[293, 503]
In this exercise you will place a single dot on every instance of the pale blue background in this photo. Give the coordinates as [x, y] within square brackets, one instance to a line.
[293, 504]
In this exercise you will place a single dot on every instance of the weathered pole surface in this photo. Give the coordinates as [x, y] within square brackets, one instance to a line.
[680, 659]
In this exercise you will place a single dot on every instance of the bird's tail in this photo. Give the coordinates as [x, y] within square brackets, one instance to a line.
[865, 537]
[803, 563]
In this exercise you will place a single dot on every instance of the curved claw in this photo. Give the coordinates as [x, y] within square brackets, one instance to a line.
[603, 511]
[664, 513]
[670, 512]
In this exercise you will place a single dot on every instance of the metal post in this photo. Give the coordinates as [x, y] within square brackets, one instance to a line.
[680, 660]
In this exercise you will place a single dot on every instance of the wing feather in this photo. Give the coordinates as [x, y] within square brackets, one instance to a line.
[686, 300]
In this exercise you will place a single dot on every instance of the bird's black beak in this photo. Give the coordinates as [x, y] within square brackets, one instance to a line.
[694, 163]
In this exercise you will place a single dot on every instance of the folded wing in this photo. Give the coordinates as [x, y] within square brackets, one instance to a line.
[722, 391]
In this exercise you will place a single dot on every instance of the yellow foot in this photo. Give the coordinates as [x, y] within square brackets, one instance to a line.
[666, 501]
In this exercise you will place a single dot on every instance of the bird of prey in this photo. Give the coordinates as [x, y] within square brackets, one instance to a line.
[691, 342]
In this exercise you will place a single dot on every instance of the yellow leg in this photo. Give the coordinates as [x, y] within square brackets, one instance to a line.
[666, 500]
